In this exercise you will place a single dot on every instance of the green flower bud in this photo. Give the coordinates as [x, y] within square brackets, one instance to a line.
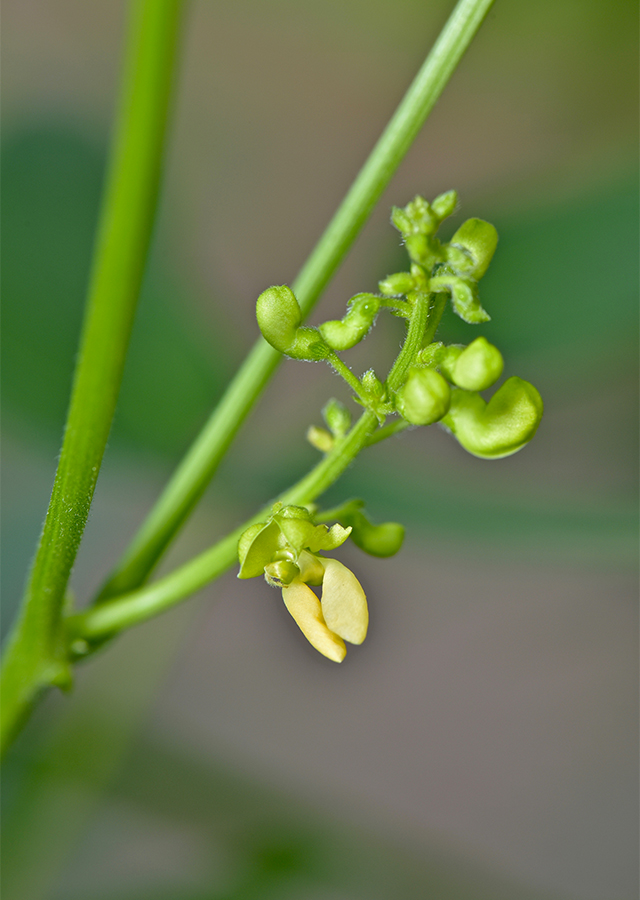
[445, 205]
[399, 283]
[337, 417]
[498, 428]
[342, 335]
[433, 354]
[478, 366]
[279, 316]
[479, 239]
[464, 297]
[372, 384]
[377, 540]
[320, 438]
[424, 398]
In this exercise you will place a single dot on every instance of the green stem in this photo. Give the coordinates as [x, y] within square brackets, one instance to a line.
[111, 617]
[108, 618]
[413, 342]
[345, 372]
[36, 654]
[381, 434]
[200, 463]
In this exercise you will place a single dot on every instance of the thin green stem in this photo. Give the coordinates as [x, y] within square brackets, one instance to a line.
[36, 655]
[113, 616]
[345, 372]
[413, 342]
[200, 463]
[381, 434]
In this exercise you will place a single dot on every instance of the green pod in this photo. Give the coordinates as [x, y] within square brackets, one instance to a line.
[279, 316]
[478, 366]
[344, 334]
[479, 240]
[424, 398]
[497, 428]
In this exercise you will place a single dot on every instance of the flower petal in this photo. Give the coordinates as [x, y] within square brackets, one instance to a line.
[344, 604]
[305, 608]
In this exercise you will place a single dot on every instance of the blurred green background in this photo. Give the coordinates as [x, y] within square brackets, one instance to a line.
[483, 742]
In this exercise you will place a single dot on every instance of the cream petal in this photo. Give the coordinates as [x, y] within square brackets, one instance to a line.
[344, 604]
[305, 608]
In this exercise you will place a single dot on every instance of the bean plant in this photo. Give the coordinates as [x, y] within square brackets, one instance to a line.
[286, 541]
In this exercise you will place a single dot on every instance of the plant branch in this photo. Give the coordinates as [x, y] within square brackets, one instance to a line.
[36, 655]
[200, 463]
[107, 619]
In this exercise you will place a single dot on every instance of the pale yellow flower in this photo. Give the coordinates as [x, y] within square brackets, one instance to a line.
[341, 615]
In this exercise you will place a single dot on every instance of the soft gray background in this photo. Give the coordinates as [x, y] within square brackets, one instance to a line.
[483, 741]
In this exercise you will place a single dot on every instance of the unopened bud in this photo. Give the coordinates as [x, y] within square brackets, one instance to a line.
[424, 398]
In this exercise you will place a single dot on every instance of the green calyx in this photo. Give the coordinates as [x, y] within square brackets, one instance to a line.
[500, 427]
[288, 532]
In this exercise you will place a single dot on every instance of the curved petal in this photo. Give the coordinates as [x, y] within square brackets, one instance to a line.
[344, 604]
[305, 608]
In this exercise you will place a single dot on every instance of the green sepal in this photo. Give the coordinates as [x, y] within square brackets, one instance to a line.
[307, 345]
[500, 427]
[325, 538]
[424, 398]
[464, 297]
[337, 417]
[297, 533]
[478, 239]
[256, 548]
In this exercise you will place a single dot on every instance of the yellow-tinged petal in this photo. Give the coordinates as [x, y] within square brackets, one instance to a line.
[305, 608]
[344, 604]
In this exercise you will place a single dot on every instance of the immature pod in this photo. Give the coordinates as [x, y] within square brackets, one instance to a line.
[478, 366]
[346, 333]
[497, 428]
[424, 398]
[479, 240]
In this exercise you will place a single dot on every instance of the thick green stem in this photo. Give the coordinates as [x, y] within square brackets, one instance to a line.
[199, 465]
[35, 656]
[111, 617]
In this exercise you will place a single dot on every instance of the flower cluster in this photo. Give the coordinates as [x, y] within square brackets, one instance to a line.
[286, 549]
